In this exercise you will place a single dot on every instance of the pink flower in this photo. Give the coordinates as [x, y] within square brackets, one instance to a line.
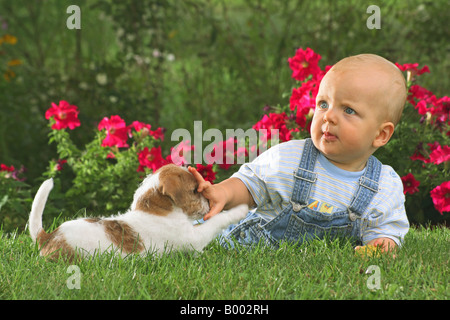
[223, 154]
[441, 197]
[65, 115]
[116, 132]
[440, 154]
[151, 159]
[410, 184]
[180, 152]
[304, 63]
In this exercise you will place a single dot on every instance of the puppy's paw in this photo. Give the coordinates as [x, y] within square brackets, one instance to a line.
[238, 213]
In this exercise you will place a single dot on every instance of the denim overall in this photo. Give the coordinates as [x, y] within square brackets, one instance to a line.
[298, 223]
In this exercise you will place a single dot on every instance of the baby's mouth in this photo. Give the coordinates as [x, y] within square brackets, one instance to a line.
[326, 135]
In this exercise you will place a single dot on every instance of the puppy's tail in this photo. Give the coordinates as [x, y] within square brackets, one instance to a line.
[37, 209]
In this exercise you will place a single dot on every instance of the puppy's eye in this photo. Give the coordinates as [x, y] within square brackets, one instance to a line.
[195, 191]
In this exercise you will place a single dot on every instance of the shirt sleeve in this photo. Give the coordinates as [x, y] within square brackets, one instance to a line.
[387, 218]
[255, 173]
[252, 175]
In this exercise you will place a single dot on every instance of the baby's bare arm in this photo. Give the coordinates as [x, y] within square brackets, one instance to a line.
[225, 195]
[236, 193]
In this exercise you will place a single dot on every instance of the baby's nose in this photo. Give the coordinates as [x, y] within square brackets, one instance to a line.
[330, 116]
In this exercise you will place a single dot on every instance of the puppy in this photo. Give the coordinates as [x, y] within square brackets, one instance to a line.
[159, 219]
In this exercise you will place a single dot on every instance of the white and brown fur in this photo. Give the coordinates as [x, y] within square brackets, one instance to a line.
[159, 219]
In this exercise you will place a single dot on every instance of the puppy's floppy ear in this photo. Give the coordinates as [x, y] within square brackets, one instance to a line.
[169, 185]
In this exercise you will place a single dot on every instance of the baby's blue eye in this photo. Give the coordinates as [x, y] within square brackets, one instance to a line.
[349, 111]
[323, 105]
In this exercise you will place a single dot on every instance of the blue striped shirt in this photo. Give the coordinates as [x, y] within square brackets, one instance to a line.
[269, 178]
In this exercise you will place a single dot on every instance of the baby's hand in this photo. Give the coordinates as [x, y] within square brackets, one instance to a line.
[376, 246]
[214, 193]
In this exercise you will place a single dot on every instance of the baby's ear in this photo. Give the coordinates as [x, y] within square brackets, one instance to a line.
[384, 134]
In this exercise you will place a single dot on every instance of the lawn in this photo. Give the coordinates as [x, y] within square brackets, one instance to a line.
[319, 270]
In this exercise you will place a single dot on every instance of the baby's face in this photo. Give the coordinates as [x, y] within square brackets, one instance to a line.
[350, 110]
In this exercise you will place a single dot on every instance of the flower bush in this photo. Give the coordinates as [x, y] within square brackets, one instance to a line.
[104, 175]
[107, 170]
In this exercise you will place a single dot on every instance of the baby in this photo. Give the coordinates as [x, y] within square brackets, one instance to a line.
[330, 185]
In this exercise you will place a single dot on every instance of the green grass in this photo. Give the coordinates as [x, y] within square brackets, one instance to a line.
[319, 270]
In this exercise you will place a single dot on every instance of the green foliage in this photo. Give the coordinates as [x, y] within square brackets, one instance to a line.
[15, 202]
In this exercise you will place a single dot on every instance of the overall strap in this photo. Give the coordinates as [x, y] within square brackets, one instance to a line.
[367, 188]
[304, 176]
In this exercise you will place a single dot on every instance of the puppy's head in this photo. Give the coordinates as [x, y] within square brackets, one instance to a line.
[170, 187]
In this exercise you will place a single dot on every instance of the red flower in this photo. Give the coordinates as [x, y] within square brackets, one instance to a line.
[150, 159]
[138, 126]
[410, 184]
[440, 154]
[418, 153]
[207, 172]
[60, 164]
[298, 97]
[158, 133]
[116, 132]
[440, 110]
[12, 172]
[441, 197]
[304, 63]
[275, 121]
[304, 104]
[65, 115]
[417, 93]
[4, 167]
[411, 69]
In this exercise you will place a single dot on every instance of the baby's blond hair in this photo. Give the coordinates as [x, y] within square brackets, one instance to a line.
[395, 89]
